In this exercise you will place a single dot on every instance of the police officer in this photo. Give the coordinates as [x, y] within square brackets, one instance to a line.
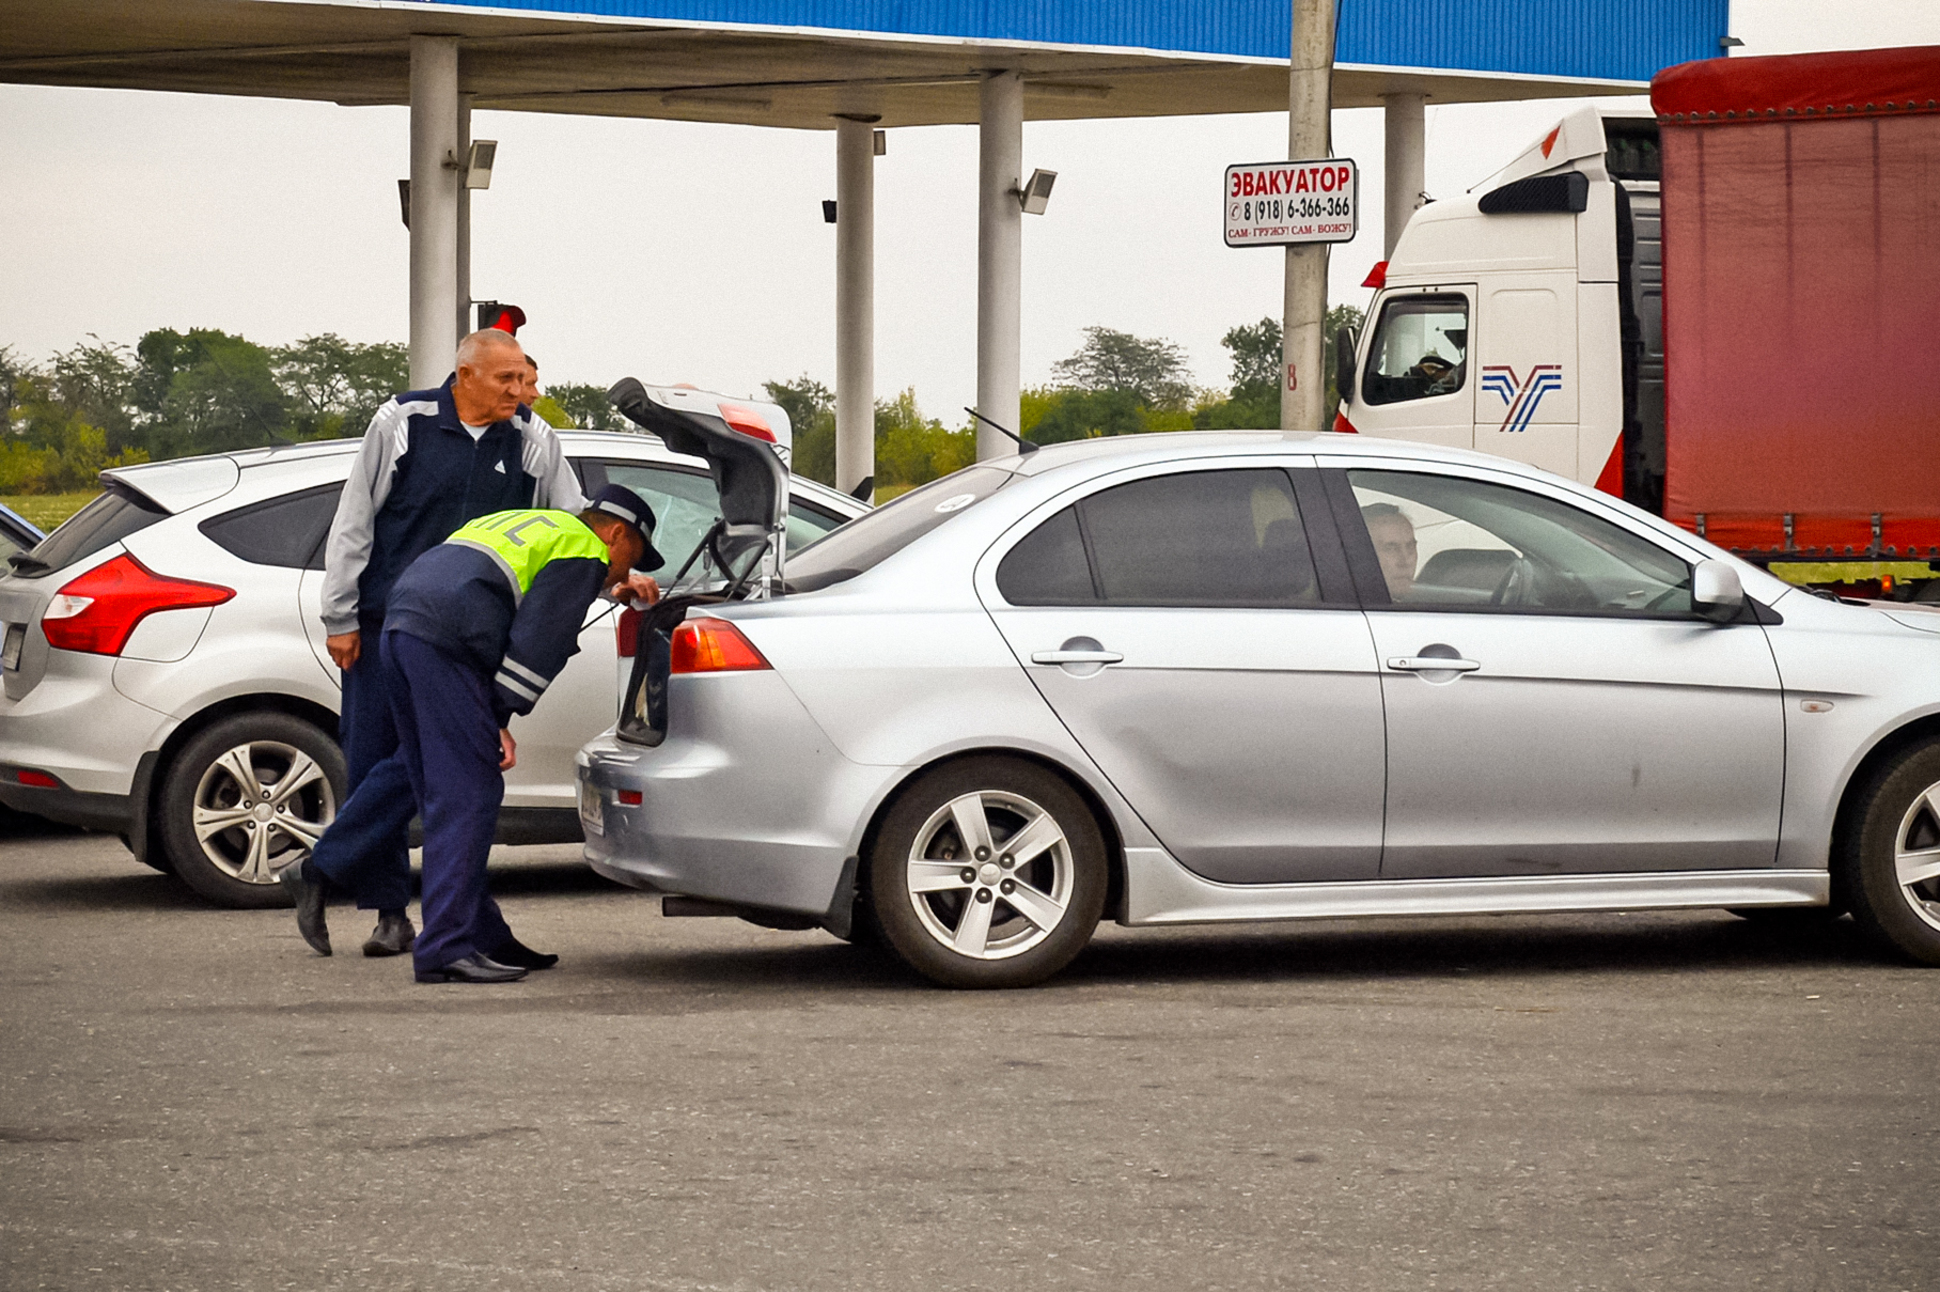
[431, 461]
[477, 629]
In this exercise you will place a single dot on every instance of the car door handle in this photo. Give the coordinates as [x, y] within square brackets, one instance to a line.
[1432, 664]
[1077, 657]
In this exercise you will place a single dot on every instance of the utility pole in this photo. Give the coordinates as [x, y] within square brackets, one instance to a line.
[1303, 389]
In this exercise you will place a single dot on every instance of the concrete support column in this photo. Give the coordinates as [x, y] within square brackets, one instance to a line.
[434, 207]
[1303, 389]
[855, 303]
[464, 218]
[1000, 258]
[1403, 164]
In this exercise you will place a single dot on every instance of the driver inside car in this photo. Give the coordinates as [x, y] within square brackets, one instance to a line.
[1394, 544]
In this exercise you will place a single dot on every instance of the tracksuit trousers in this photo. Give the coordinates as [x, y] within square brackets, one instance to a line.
[448, 748]
[366, 849]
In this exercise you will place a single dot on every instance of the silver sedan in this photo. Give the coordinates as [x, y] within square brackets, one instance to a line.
[1233, 677]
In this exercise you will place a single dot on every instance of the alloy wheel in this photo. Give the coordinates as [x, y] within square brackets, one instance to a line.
[259, 807]
[1916, 855]
[990, 875]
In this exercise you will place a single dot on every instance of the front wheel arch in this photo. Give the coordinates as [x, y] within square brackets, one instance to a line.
[1887, 749]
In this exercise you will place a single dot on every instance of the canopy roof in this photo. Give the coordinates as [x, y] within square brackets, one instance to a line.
[801, 62]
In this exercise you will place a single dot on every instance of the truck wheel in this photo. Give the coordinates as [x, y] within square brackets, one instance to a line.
[990, 872]
[246, 798]
[1889, 862]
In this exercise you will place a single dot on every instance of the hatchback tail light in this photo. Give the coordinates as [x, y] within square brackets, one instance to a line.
[747, 421]
[97, 612]
[626, 632]
[713, 646]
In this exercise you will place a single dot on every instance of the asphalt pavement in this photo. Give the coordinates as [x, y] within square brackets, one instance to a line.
[190, 1099]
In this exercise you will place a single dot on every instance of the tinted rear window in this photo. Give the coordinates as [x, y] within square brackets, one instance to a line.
[867, 541]
[1193, 538]
[116, 514]
[287, 531]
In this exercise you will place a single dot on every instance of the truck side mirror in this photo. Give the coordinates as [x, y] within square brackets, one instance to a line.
[1344, 373]
[1716, 591]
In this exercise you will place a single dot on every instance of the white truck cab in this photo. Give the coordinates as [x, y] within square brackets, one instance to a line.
[1525, 317]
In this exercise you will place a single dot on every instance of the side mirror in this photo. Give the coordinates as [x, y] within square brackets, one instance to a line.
[1344, 343]
[1716, 591]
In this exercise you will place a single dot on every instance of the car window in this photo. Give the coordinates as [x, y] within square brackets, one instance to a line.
[869, 540]
[685, 505]
[1196, 538]
[1447, 543]
[287, 531]
[1420, 349]
[807, 522]
[118, 512]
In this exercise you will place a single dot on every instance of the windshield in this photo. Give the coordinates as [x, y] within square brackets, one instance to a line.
[869, 540]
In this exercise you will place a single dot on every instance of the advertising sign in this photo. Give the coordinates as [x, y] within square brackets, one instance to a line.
[1279, 204]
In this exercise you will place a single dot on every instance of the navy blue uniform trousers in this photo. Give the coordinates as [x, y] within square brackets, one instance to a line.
[448, 746]
[366, 849]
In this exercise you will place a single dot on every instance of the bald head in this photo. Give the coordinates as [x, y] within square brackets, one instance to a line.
[492, 375]
[472, 350]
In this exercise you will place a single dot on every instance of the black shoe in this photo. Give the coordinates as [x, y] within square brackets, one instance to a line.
[473, 968]
[518, 954]
[307, 892]
[393, 935]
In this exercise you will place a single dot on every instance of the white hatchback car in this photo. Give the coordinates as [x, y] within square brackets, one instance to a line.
[164, 663]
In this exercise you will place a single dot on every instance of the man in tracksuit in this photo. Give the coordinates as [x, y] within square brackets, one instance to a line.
[431, 460]
[478, 628]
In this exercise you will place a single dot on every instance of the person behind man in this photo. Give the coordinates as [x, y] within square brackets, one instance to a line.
[1394, 543]
[529, 396]
[478, 628]
[431, 460]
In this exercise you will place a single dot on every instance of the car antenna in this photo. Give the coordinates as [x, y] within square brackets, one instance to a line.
[1023, 445]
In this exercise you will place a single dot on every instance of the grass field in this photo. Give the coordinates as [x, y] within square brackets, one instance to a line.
[48, 509]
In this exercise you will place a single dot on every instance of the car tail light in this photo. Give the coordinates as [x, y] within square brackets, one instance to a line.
[747, 421]
[39, 780]
[713, 646]
[626, 632]
[628, 798]
[97, 612]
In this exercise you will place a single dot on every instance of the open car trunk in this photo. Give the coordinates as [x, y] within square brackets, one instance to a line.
[740, 556]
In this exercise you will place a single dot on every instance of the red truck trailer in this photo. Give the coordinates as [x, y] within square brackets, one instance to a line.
[1776, 387]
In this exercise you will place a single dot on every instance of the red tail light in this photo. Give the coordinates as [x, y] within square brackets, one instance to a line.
[713, 646]
[39, 780]
[626, 631]
[97, 612]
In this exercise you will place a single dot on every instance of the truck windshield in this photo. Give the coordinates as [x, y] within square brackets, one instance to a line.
[868, 540]
[1420, 349]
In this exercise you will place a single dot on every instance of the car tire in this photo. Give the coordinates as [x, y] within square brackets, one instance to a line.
[1888, 863]
[959, 908]
[228, 850]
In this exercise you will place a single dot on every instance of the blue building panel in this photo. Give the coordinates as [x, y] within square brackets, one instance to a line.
[1624, 40]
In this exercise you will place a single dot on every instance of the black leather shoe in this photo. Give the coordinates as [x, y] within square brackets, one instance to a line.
[473, 968]
[393, 936]
[307, 892]
[520, 955]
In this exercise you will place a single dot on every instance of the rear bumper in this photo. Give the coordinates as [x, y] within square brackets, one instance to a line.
[762, 813]
[111, 812]
[76, 727]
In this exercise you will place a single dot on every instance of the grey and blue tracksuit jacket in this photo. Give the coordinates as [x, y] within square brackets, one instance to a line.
[418, 477]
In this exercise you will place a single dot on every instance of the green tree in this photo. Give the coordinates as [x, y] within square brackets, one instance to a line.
[1253, 401]
[1152, 370]
[334, 387]
[587, 406]
[206, 391]
[811, 416]
[912, 449]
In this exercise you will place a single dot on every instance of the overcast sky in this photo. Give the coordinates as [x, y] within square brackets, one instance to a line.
[681, 252]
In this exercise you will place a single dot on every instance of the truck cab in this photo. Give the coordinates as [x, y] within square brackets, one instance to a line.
[1525, 318]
